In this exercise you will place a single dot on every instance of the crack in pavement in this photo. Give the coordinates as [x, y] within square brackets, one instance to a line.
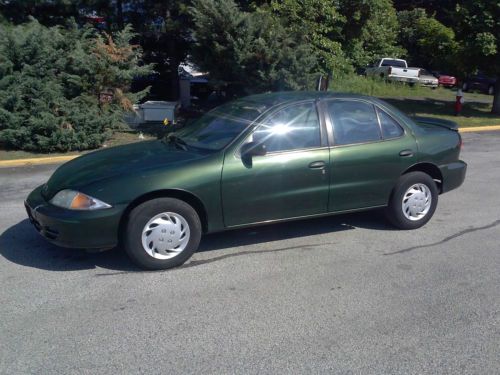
[195, 263]
[449, 238]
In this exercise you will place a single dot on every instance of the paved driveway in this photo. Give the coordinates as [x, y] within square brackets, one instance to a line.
[345, 294]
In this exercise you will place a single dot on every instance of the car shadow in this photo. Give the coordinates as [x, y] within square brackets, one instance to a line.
[21, 244]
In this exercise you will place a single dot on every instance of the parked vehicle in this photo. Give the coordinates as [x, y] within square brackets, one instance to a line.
[261, 159]
[445, 80]
[393, 70]
[480, 82]
[425, 78]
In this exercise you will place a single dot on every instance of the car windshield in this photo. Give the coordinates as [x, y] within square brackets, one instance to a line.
[217, 128]
[395, 63]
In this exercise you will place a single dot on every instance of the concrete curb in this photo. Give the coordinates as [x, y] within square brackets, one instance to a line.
[479, 129]
[36, 161]
[62, 159]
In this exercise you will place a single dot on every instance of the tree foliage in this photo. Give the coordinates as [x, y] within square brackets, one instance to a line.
[370, 31]
[251, 50]
[321, 24]
[477, 24]
[61, 88]
[429, 43]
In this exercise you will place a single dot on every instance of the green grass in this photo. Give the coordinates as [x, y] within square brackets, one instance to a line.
[423, 101]
[118, 138]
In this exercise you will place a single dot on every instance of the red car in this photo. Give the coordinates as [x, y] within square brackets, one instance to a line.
[445, 79]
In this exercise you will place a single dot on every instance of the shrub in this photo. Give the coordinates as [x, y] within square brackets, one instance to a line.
[64, 89]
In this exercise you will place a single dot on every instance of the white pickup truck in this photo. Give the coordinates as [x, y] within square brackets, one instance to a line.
[393, 70]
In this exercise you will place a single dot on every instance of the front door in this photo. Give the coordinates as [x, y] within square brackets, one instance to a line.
[290, 180]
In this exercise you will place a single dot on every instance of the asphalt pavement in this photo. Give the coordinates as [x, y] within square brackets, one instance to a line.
[344, 295]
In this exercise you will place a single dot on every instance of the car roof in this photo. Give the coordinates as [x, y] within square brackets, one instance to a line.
[277, 98]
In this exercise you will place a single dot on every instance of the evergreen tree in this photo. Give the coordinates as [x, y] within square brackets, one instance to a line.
[63, 89]
[251, 50]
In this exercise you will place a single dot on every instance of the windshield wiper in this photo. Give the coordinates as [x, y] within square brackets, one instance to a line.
[178, 141]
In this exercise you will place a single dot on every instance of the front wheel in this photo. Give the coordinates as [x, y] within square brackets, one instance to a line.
[413, 201]
[162, 233]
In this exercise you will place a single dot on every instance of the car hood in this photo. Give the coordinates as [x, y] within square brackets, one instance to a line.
[116, 161]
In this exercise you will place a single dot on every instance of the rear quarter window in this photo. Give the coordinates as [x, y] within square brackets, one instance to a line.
[390, 128]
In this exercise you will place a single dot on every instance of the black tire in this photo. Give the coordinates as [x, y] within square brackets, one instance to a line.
[139, 217]
[394, 211]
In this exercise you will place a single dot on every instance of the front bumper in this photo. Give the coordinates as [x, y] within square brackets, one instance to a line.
[74, 229]
[453, 175]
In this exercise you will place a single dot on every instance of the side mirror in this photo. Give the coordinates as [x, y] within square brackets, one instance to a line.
[251, 149]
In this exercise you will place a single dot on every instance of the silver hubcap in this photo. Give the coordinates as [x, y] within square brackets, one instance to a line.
[417, 202]
[166, 235]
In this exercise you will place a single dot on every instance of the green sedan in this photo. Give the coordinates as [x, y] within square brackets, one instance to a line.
[258, 160]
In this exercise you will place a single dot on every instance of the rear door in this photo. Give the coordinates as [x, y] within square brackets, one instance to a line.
[370, 151]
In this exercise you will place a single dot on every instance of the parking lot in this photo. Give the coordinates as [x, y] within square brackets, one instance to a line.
[345, 294]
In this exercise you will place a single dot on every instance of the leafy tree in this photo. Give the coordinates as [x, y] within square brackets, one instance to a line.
[428, 41]
[63, 89]
[477, 24]
[250, 50]
[370, 30]
[321, 24]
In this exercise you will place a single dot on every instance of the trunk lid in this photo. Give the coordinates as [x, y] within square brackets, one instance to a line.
[426, 121]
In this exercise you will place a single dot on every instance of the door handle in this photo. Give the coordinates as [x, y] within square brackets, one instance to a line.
[406, 153]
[317, 165]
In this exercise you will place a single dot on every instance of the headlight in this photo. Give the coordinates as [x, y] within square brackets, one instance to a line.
[75, 200]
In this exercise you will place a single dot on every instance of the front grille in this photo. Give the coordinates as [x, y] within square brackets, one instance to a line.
[45, 231]
[50, 233]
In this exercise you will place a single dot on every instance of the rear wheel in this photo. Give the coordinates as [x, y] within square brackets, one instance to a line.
[413, 201]
[162, 233]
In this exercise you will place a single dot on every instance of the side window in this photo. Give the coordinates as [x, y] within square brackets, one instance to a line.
[292, 128]
[353, 122]
[390, 128]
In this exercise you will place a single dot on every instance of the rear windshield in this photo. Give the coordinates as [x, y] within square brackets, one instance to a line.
[395, 63]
